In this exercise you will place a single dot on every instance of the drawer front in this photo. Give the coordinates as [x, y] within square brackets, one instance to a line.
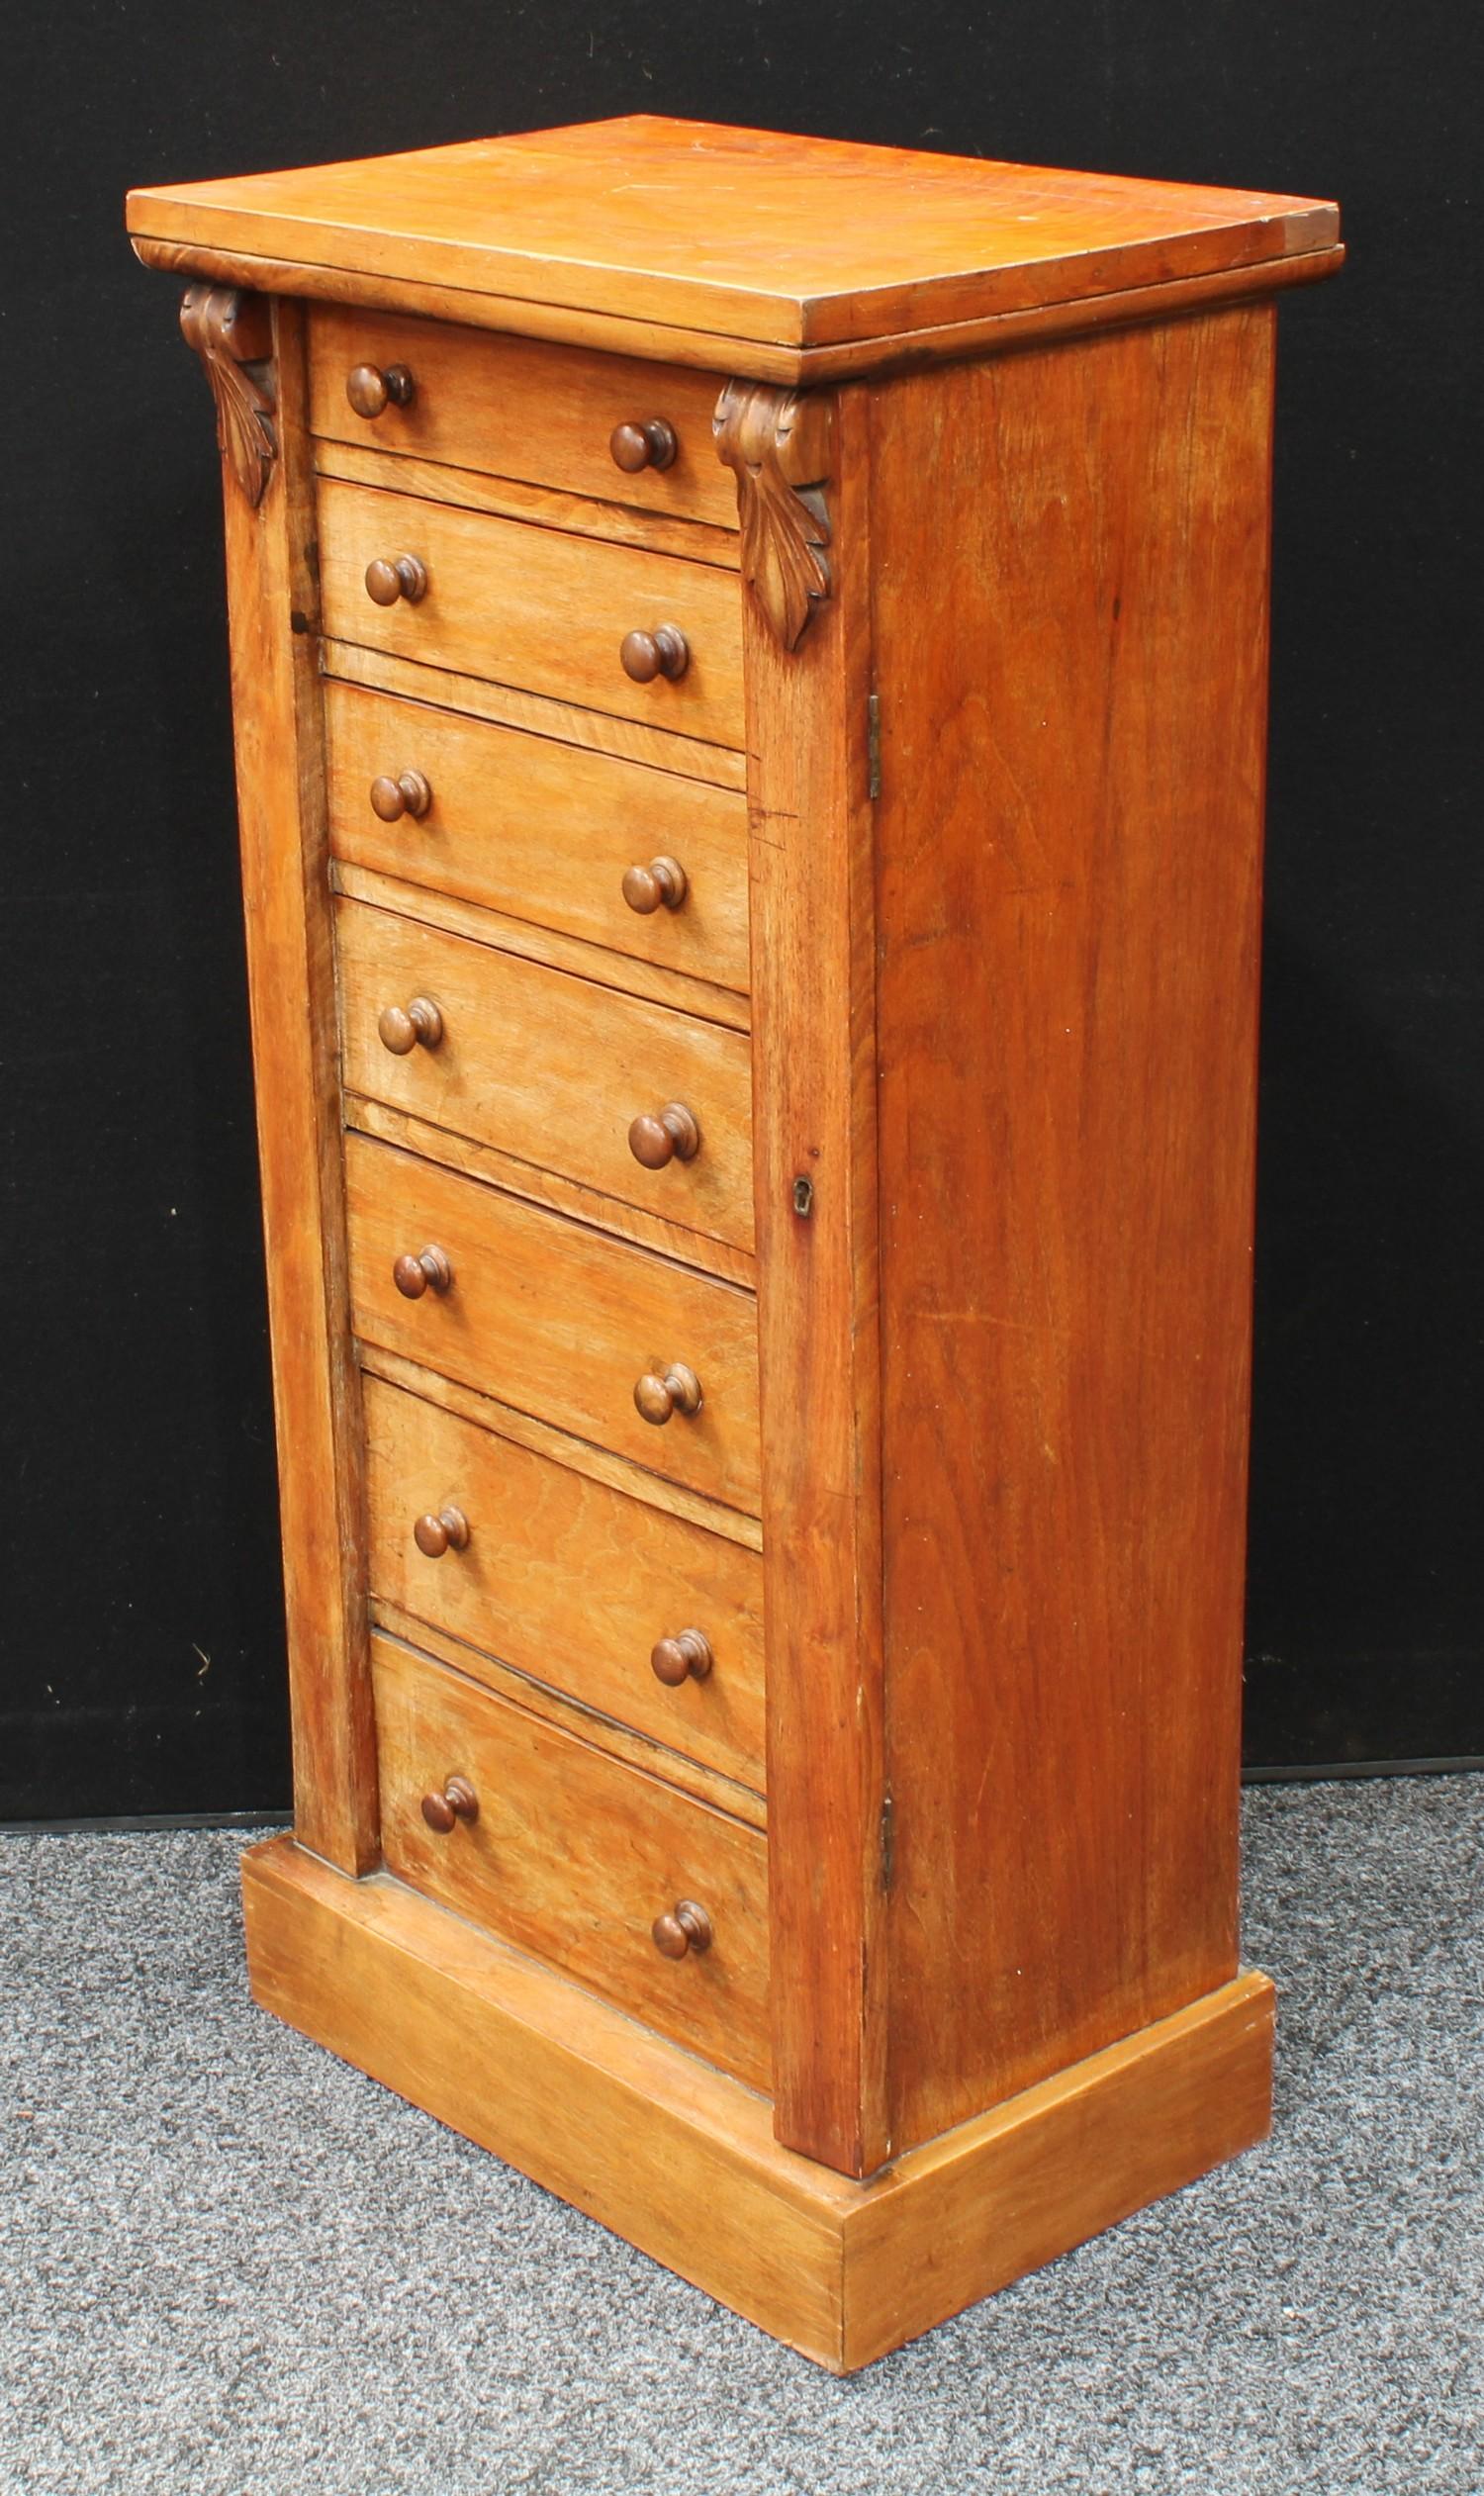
[542, 832]
[568, 1580]
[551, 1068]
[534, 607]
[573, 1856]
[557, 1320]
[518, 407]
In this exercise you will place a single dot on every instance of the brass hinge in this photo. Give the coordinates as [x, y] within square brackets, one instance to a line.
[889, 1842]
[874, 745]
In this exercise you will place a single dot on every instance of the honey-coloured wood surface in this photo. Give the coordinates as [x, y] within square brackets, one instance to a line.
[681, 2161]
[567, 1580]
[541, 507]
[814, 1108]
[1069, 835]
[508, 707]
[280, 783]
[534, 607]
[597, 1464]
[553, 1069]
[645, 2137]
[909, 349]
[544, 1187]
[551, 946]
[799, 1291]
[748, 235]
[518, 407]
[555, 1318]
[625, 1743]
[574, 1856]
[1009, 2191]
[572, 1715]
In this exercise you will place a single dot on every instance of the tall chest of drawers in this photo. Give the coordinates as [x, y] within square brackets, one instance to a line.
[749, 660]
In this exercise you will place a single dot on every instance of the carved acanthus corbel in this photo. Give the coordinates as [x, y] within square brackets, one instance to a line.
[777, 442]
[231, 333]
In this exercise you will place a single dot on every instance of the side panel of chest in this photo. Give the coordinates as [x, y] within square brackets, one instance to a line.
[1070, 636]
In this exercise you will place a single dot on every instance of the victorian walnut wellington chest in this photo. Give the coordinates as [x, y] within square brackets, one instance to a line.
[749, 658]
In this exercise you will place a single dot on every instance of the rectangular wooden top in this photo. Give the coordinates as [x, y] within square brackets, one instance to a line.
[771, 254]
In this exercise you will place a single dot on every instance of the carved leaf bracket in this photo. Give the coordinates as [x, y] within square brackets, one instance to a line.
[777, 442]
[230, 331]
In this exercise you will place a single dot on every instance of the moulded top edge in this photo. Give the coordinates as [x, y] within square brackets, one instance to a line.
[741, 235]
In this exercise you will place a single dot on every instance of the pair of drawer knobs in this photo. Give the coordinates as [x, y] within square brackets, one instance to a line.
[662, 883]
[674, 1661]
[684, 1928]
[642, 655]
[648, 442]
[655, 1139]
[656, 1398]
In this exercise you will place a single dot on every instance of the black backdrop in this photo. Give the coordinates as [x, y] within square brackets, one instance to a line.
[142, 1623]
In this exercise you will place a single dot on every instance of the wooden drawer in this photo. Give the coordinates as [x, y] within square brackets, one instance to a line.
[572, 1856]
[515, 408]
[567, 1578]
[542, 832]
[549, 1068]
[534, 607]
[555, 1318]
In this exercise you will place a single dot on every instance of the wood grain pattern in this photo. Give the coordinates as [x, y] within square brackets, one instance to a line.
[644, 2135]
[541, 507]
[534, 942]
[291, 995]
[959, 1398]
[778, 446]
[993, 2198]
[572, 1854]
[745, 235]
[815, 1087]
[549, 1069]
[681, 2161]
[543, 832]
[1070, 830]
[796, 367]
[531, 606]
[565, 725]
[596, 1463]
[555, 1318]
[515, 408]
[567, 1580]
[232, 333]
[544, 1187]
[572, 1715]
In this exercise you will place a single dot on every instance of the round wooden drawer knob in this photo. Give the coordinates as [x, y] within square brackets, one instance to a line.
[373, 387]
[392, 576]
[448, 1531]
[686, 1927]
[662, 881]
[651, 443]
[403, 1028]
[685, 1657]
[430, 1271]
[457, 1801]
[644, 656]
[673, 1136]
[678, 1391]
[407, 793]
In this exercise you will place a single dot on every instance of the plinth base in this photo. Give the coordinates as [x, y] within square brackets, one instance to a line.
[681, 2161]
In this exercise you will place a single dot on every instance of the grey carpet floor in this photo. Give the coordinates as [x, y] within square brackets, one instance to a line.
[232, 2267]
